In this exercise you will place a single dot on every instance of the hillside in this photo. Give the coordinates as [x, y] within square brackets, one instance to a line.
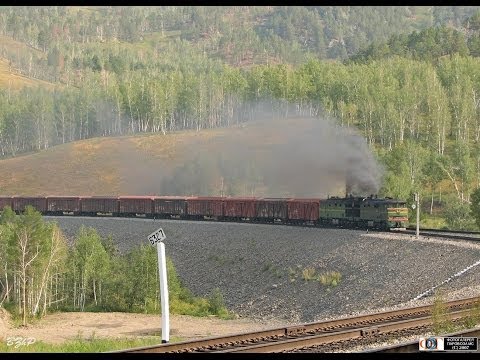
[249, 160]
[10, 76]
[12, 80]
[59, 40]
[288, 159]
[95, 166]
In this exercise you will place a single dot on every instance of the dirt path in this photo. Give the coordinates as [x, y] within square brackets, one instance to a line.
[56, 328]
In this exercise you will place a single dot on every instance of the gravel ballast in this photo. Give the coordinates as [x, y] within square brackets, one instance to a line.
[258, 268]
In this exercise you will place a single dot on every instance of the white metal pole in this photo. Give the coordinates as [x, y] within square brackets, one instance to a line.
[162, 271]
[417, 197]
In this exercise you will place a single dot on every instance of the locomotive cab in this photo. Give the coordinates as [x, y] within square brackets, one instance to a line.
[397, 214]
[386, 214]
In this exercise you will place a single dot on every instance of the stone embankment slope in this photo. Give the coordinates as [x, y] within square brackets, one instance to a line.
[258, 268]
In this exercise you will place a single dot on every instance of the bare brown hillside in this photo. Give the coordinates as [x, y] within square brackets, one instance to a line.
[260, 159]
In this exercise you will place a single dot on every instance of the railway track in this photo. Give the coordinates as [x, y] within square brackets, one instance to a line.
[316, 333]
[447, 234]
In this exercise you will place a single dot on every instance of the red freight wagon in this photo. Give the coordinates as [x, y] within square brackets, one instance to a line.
[63, 203]
[39, 203]
[95, 204]
[135, 204]
[205, 206]
[5, 201]
[269, 208]
[163, 205]
[303, 209]
[239, 207]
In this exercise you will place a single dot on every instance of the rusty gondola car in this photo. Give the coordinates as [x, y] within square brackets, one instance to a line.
[99, 205]
[271, 210]
[205, 207]
[19, 203]
[169, 206]
[239, 208]
[62, 205]
[135, 206]
[302, 211]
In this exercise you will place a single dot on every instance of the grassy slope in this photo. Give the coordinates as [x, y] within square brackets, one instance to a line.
[15, 81]
[131, 165]
[11, 78]
[96, 166]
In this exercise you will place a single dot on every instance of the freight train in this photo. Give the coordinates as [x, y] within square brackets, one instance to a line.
[348, 212]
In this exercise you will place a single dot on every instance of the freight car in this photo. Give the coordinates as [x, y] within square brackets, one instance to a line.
[271, 210]
[5, 201]
[303, 211]
[349, 212]
[20, 203]
[135, 206]
[236, 209]
[60, 205]
[174, 207]
[205, 208]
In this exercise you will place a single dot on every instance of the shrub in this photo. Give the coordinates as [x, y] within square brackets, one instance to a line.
[308, 273]
[330, 278]
[441, 321]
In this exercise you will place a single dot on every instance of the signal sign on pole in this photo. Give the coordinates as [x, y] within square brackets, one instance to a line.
[157, 237]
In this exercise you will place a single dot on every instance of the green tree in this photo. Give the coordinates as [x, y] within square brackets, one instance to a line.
[89, 268]
[32, 254]
[458, 215]
[475, 206]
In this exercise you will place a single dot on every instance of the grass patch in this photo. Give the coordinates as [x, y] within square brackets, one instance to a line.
[272, 269]
[328, 279]
[83, 345]
[308, 274]
[187, 304]
[292, 274]
[432, 222]
[474, 317]
[442, 324]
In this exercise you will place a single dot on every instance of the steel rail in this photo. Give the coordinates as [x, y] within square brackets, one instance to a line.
[446, 230]
[314, 340]
[440, 235]
[208, 344]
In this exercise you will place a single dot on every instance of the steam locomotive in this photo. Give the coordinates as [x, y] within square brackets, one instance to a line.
[348, 212]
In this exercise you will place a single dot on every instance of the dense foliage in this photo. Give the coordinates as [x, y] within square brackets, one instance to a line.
[61, 39]
[37, 274]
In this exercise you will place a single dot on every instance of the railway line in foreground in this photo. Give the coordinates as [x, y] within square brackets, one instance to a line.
[323, 336]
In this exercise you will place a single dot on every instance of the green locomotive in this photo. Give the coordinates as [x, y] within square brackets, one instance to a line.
[360, 212]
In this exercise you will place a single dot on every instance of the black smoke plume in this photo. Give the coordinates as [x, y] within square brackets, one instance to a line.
[274, 156]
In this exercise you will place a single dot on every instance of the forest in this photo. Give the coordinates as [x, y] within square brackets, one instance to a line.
[405, 77]
[38, 274]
